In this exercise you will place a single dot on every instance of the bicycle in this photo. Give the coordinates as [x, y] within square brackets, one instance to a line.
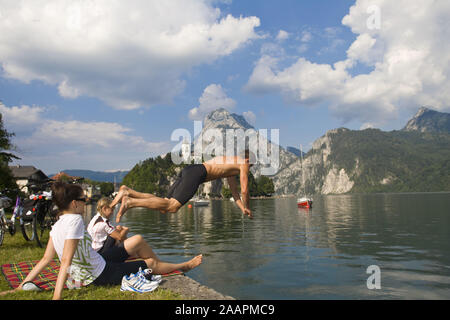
[5, 202]
[24, 211]
[36, 213]
[42, 213]
[18, 212]
[21, 206]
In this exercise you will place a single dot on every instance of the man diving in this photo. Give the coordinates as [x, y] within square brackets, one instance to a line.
[187, 183]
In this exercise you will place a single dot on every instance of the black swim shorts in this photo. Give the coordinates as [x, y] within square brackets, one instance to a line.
[114, 252]
[187, 183]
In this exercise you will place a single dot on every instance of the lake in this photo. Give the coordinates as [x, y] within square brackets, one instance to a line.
[322, 253]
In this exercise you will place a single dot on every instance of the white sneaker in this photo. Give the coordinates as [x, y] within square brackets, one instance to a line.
[137, 282]
[30, 286]
[148, 274]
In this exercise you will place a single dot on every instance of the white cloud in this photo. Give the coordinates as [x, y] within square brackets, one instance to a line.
[20, 116]
[408, 56]
[213, 97]
[95, 134]
[272, 49]
[302, 48]
[126, 54]
[332, 32]
[306, 36]
[282, 35]
[44, 142]
[362, 49]
[366, 125]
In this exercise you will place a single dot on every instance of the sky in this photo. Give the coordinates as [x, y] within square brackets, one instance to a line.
[101, 85]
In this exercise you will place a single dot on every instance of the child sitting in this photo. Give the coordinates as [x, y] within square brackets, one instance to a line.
[107, 240]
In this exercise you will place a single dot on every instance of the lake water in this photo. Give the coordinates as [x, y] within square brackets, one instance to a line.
[322, 253]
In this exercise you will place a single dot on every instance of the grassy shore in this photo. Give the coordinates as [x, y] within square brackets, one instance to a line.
[16, 249]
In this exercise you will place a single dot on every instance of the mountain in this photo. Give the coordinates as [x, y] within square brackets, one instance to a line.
[222, 119]
[101, 176]
[427, 120]
[371, 160]
[415, 159]
[295, 151]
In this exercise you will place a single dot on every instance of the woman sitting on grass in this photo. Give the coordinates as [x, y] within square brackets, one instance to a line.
[80, 263]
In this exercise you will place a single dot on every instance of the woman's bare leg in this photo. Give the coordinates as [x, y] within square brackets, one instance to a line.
[161, 267]
[136, 246]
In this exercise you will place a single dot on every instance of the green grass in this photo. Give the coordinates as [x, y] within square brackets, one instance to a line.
[16, 249]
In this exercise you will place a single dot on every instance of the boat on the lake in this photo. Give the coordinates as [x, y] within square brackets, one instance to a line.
[304, 202]
[201, 202]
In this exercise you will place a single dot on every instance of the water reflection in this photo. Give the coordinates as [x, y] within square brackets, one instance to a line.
[291, 253]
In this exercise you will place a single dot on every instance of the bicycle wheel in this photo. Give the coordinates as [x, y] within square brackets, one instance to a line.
[40, 234]
[36, 232]
[2, 232]
[28, 219]
[44, 222]
[12, 228]
[28, 227]
[42, 231]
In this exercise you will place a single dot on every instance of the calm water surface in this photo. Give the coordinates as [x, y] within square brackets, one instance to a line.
[323, 253]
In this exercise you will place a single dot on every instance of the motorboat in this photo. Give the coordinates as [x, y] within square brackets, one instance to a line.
[304, 202]
[198, 202]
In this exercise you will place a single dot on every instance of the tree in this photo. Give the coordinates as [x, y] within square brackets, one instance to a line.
[106, 188]
[6, 178]
[252, 185]
[265, 186]
[226, 193]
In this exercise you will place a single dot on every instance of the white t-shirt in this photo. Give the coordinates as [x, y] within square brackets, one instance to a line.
[87, 264]
[99, 229]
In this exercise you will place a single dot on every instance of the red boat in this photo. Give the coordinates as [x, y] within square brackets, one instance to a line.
[304, 202]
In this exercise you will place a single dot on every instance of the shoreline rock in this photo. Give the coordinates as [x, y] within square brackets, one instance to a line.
[191, 289]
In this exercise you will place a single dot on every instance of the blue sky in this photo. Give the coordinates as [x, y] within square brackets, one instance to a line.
[102, 85]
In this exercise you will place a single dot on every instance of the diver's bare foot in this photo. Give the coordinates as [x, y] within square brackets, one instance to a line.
[122, 209]
[123, 191]
[193, 263]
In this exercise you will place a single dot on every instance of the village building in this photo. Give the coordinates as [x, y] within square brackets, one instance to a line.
[24, 175]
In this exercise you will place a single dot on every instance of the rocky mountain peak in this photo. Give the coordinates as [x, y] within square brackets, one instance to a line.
[222, 118]
[421, 111]
[428, 120]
